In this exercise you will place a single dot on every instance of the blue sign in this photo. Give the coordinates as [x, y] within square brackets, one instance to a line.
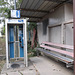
[20, 21]
[15, 13]
[18, 13]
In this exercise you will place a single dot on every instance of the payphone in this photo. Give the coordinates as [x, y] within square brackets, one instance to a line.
[16, 40]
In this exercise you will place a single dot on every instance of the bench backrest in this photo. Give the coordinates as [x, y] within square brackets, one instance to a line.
[44, 45]
[59, 45]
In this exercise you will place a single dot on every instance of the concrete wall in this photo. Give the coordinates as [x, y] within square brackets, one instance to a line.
[69, 27]
[55, 34]
[62, 14]
[40, 35]
[69, 34]
[68, 12]
[57, 16]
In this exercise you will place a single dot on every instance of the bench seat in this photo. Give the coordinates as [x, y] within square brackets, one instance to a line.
[59, 57]
[58, 50]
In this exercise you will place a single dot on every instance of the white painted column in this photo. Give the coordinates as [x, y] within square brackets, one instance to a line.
[6, 30]
[25, 44]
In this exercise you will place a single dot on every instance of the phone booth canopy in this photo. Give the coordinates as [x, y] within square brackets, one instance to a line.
[16, 40]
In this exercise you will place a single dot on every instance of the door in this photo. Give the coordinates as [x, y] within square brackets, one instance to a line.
[11, 41]
[16, 41]
[21, 41]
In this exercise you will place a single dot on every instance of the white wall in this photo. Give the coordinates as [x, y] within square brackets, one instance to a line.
[54, 19]
[40, 35]
[62, 14]
[68, 12]
[69, 34]
[55, 34]
[69, 30]
[57, 16]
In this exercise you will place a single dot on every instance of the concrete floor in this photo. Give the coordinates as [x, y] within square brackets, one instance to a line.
[22, 70]
[41, 65]
[47, 66]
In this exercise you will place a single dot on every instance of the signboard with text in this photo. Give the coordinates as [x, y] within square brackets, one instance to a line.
[15, 13]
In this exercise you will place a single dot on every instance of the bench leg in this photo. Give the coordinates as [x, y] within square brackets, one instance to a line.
[69, 65]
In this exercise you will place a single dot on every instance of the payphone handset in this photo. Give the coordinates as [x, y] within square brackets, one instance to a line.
[21, 41]
[21, 37]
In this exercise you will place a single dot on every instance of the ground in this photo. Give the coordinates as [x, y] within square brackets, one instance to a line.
[48, 66]
[2, 62]
[2, 52]
[22, 70]
[41, 65]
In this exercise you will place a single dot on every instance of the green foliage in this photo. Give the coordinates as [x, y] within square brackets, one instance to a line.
[18, 3]
[3, 30]
[2, 2]
[6, 10]
[31, 26]
[31, 52]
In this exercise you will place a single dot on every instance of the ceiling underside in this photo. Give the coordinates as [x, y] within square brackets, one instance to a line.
[37, 10]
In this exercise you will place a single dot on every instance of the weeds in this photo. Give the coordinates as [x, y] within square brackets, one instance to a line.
[31, 51]
[2, 52]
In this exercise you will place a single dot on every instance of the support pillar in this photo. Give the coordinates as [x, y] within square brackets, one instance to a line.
[74, 31]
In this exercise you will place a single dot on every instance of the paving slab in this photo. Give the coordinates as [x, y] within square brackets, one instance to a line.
[30, 70]
[13, 73]
[3, 74]
[47, 66]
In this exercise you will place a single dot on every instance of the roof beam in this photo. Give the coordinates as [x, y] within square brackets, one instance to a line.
[31, 21]
[60, 1]
[57, 1]
[34, 10]
[31, 16]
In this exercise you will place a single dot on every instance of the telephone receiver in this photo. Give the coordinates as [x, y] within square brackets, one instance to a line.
[20, 40]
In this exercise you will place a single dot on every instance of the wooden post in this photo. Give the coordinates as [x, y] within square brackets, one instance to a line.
[74, 31]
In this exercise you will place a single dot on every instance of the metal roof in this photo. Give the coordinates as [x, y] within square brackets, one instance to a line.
[37, 10]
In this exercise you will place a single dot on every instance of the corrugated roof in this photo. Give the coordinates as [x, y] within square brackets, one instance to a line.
[35, 10]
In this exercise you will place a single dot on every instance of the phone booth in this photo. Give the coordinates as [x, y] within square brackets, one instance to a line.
[16, 40]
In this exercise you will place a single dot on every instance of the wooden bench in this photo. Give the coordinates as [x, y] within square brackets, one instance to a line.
[58, 51]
